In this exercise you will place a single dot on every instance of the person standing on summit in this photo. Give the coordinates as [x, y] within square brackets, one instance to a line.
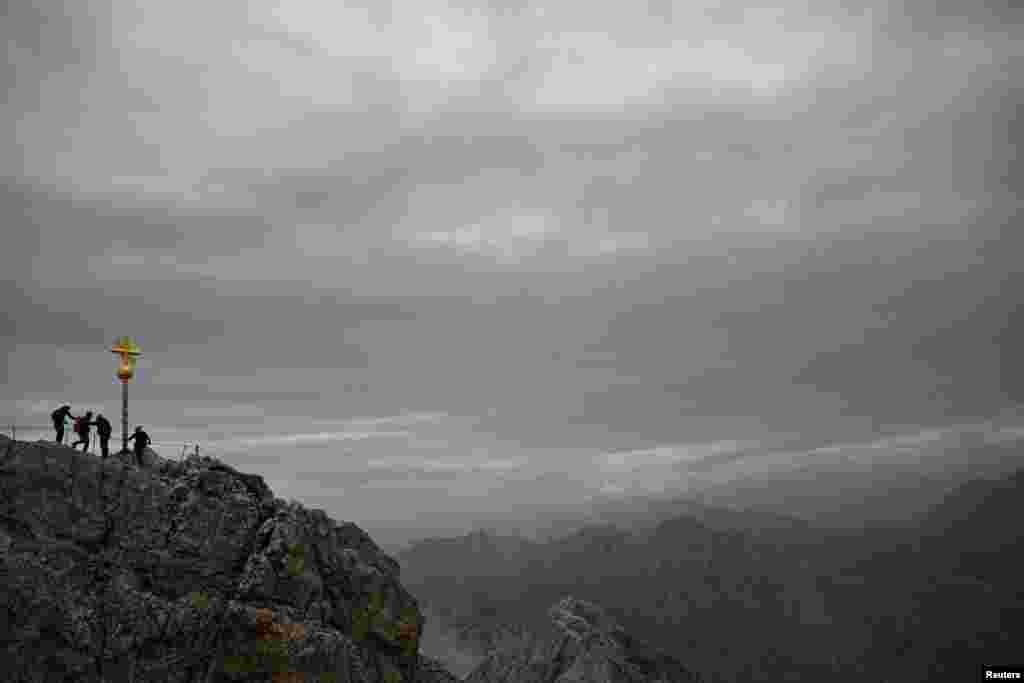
[82, 428]
[60, 417]
[103, 430]
[141, 440]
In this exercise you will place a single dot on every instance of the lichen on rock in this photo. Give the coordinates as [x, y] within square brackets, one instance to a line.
[167, 573]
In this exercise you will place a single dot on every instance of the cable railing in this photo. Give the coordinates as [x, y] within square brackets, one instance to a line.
[36, 432]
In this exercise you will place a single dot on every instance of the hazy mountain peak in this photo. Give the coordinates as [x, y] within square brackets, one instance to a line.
[590, 648]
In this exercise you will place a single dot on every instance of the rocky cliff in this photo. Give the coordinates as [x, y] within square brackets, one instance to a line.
[189, 572]
[586, 647]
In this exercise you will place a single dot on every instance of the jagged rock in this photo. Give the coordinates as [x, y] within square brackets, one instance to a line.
[188, 572]
[589, 647]
[433, 671]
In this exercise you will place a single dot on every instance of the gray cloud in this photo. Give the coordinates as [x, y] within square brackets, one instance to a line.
[575, 228]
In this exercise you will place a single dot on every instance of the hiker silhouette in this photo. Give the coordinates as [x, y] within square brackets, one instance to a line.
[59, 417]
[82, 426]
[141, 440]
[103, 430]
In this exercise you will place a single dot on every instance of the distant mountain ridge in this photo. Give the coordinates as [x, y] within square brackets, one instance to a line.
[892, 486]
[768, 600]
[829, 490]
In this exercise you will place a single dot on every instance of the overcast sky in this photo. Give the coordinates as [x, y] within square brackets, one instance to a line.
[430, 258]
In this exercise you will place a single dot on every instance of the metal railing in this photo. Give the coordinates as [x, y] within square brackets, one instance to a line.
[29, 432]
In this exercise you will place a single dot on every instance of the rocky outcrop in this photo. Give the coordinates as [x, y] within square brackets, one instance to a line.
[189, 572]
[433, 671]
[588, 647]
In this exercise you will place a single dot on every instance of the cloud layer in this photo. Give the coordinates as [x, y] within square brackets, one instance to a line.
[562, 231]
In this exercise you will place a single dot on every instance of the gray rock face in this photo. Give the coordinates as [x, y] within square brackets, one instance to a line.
[188, 572]
[589, 648]
[432, 671]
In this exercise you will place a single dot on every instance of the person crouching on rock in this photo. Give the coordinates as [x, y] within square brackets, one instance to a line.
[141, 440]
[59, 417]
[82, 426]
[103, 430]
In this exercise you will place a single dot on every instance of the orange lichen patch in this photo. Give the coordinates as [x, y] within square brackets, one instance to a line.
[275, 636]
[267, 629]
[293, 631]
[407, 631]
[264, 622]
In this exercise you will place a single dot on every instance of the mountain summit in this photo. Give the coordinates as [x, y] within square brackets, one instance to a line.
[189, 572]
